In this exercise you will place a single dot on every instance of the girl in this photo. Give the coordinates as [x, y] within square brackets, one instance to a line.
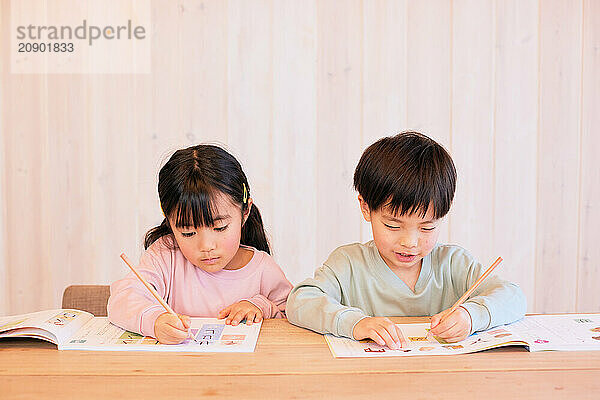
[209, 257]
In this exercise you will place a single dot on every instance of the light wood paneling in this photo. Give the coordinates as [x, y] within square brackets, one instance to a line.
[589, 203]
[339, 72]
[25, 117]
[69, 222]
[472, 219]
[515, 156]
[4, 125]
[295, 138]
[113, 190]
[558, 155]
[203, 34]
[23, 197]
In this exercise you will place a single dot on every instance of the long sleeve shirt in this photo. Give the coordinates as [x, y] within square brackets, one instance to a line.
[355, 282]
[192, 291]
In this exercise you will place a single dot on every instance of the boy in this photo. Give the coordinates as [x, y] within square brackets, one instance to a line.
[406, 185]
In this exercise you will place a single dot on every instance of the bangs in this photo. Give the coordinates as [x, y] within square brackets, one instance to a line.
[414, 193]
[417, 200]
[195, 208]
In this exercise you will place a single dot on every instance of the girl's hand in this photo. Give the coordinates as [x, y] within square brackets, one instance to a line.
[170, 329]
[240, 310]
[456, 326]
[380, 329]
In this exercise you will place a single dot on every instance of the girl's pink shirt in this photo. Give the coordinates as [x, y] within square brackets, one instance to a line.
[192, 291]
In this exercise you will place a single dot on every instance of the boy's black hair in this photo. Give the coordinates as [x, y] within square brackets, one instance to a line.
[188, 185]
[406, 173]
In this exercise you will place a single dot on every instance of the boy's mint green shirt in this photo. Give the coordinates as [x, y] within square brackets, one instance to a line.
[355, 283]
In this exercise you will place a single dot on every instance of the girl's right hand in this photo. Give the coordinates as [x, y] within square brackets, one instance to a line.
[381, 330]
[170, 329]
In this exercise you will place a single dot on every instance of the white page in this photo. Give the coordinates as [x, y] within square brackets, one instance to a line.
[212, 335]
[565, 332]
[418, 344]
[56, 326]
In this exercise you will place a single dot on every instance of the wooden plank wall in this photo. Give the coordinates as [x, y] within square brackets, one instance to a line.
[296, 90]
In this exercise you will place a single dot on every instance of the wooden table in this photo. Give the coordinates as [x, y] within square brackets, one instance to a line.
[291, 362]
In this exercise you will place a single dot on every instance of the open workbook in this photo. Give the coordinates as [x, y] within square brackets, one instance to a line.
[80, 330]
[565, 332]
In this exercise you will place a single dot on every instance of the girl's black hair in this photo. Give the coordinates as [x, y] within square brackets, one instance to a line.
[188, 185]
[406, 173]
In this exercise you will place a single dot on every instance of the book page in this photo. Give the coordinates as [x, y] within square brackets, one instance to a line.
[565, 332]
[56, 326]
[211, 334]
[419, 344]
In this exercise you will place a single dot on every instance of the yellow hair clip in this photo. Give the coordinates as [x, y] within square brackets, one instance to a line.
[245, 194]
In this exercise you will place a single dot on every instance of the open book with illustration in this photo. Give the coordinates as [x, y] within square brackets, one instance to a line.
[80, 330]
[565, 332]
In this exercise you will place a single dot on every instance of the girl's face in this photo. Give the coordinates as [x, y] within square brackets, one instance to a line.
[402, 240]
[217, 247]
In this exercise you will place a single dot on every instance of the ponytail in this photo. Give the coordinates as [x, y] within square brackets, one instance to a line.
[253, 232]
[156, 233]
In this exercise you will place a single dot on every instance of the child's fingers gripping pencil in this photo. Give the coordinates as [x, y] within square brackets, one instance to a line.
[470, 291]
[153, 291]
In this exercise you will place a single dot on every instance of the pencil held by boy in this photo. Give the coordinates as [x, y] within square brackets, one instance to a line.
[406, 185]
[208, 258]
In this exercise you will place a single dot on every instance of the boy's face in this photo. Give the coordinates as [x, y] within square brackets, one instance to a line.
[404, 240]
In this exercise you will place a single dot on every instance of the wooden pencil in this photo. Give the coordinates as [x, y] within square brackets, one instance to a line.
[152, 290]
[471, 289]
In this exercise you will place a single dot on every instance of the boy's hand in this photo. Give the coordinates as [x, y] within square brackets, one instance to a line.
[240, 310]
[170, 329]
[454, 328]
[380, 329]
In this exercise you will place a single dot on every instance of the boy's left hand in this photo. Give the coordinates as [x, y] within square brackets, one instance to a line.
[454, 328]
[236, 312]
